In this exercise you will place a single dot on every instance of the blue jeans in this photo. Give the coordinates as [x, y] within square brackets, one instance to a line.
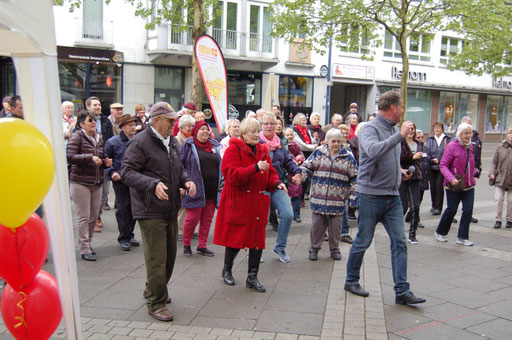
[388, 210]
[281, 201]
[344, 225]
[452, 201]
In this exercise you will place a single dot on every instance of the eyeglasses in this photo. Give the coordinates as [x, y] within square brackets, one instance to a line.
[353, 107]
[89, 120]
[271, 124]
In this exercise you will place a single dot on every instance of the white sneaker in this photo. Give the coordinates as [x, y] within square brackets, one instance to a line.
[467, 243]
[440, 238]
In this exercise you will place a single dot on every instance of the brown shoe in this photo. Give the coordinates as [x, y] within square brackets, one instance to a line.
[347, 239]
[145, 295]
[99, 224]
[97, 229]
[162, 314]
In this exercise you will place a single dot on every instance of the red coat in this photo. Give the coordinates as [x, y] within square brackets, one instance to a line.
[244, 207]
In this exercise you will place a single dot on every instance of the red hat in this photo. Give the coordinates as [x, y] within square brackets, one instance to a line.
[190, 106]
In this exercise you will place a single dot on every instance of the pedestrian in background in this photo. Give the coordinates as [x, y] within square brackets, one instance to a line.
[152, 169]
[243, 209]
[115, 149]
[334, 176]
[434, 148]
[201, 158]
[336, 120]
[458, 169]
[141, 118]
[500, 175]
[315, 129]
[294, 190]
[68, 120]
[86, 156]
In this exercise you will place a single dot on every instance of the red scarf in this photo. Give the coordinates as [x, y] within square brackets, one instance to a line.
[304, 132]
[352, 133]
[206, 146]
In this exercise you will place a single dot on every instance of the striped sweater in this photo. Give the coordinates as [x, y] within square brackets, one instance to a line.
[334, 181]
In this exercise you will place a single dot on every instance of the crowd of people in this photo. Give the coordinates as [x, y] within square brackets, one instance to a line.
[170, 172]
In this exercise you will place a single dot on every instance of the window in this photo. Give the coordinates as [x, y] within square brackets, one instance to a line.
[169, 86]
[225, 25]
[391, 46]
[494, 116]
[361, 36]
[419, 47]
[450, 46]
[295, 95]
[259, 28]
[453, 106]
[419, 104]
[93, 19]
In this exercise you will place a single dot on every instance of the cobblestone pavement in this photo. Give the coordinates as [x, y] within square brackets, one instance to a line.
[468, 289]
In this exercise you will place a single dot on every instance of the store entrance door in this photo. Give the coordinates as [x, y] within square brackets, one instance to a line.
[356, 94]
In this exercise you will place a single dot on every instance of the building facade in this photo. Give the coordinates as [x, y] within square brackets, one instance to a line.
[105, 51]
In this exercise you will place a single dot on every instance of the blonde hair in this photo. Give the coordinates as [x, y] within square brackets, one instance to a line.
[249, 124]
[358, 128]
[344, 127]
[229, 124]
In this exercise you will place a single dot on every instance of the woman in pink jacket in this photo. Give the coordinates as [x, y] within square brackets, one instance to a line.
[458, 160]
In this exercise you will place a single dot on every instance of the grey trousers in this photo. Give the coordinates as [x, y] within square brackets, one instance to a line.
[104, 195]
[320, 224]
[87, 199]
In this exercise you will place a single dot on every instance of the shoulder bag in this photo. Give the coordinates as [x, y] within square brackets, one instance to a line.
[462, 183]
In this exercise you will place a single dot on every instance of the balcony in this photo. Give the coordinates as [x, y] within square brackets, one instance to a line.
[92, 32]
[242, 50]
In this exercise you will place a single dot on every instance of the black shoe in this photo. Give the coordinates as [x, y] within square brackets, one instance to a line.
[297, 219]
[408, 299]
[227, 275]
[205, 252]
[125, 245]
[454, 220]
[436, 212]
[421, 225]
[356, 289]
[134, 243]
[432, 210]
[497, 225]
[347, 239]
[88, 257]
[509, 224]
[253, 283]
[412, 239]
[313, 255]
[187, 251]
[474, 220]
[336, 256]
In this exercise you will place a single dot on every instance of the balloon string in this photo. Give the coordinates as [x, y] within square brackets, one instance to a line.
[22, 317]
[20, 256]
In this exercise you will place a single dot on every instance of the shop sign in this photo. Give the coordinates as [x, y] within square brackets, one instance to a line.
[413, 75]
[501, 83]
[89, 54]
[353, 71]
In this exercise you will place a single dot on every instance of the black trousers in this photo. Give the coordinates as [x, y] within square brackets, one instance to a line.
[436, 189]
[125, 221]
[410, 197]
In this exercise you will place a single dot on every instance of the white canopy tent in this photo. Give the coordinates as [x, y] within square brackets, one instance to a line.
[27, 34]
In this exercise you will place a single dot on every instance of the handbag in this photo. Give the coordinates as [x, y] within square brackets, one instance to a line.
[462, 183]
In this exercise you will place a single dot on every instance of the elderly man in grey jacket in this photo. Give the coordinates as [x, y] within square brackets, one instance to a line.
[379, 177]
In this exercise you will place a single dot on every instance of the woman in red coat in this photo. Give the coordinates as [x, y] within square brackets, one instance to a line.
[243, 209]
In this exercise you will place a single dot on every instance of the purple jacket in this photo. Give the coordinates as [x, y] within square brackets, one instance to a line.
[454, 162]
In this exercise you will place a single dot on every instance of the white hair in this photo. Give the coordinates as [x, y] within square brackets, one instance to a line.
[314, 114]
[66, 103]
[466, 119]
[350, 117]
[333, 133]
[185, 120]
[336, 116]
[229, 124]
[463, 127]
[419, 131]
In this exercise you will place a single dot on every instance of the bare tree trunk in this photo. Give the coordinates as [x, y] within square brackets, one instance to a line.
[405, 74]
[199, 29]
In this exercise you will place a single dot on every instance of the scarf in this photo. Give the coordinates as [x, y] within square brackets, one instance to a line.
[188, 135]
[206, 146]
[439, 139]
[272, 143]
[352, 132]
[304, 133]
[465, 145]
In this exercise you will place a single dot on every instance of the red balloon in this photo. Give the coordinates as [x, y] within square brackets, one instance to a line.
[23, 252]
[35, 311]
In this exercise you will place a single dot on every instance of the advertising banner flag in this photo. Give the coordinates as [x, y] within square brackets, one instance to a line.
[213, 72]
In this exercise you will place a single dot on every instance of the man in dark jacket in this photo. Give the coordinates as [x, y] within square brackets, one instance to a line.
[115, 148]
[352, 110]
[152, 169]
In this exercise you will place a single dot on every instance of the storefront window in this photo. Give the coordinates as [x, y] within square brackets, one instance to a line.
[295, 95]
[244, 93]
[169, 86]
[508, 106]
[494, 115]
[469, 108]
[448, 104]
[78, 81]
[419, 104]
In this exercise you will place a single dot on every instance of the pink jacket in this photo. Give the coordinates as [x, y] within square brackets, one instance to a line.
[454, 161]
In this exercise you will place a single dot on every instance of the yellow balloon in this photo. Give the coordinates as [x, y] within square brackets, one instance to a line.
[27, 169]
